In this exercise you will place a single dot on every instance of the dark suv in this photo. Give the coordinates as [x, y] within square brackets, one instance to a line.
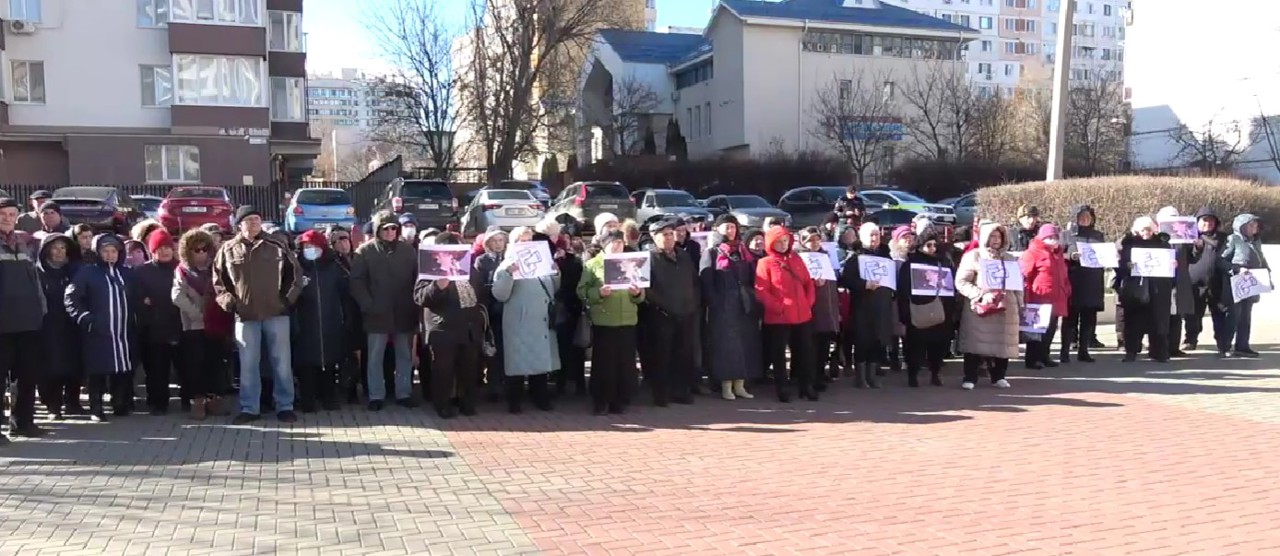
[584, 200]
[431, 202]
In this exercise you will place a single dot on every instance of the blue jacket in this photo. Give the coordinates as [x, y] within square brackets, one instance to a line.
[1244, 252]
[103, 302]
[60, 337]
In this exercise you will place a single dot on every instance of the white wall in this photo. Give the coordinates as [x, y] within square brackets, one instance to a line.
[92, 64]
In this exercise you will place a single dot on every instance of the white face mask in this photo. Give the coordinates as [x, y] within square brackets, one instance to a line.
[312, 253]
[409, 233]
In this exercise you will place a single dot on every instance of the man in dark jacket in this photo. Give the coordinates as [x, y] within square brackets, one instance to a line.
[1088, 289]
[256, 279]
[1028, 226]
[850, 208]
[48, 218]
[1207, 279]
[160, 322]
[383, 273]
[63, 370]
[673, 299]
[23, 301]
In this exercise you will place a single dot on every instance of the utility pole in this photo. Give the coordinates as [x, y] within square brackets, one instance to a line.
[1061, 90]
[333, 151]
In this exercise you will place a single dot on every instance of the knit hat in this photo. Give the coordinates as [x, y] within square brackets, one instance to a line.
[725, 218]
[50, 205]
[246, 211]
[1047, 231]
[6, 202]
[604, 219]
[663, 224]
[158, 239]
[313, 238]
[901, 232]
[40, 194]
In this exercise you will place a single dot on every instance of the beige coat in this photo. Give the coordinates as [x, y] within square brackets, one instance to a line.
[993, 335]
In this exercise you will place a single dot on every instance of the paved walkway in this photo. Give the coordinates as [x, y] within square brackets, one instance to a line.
[1105, 459]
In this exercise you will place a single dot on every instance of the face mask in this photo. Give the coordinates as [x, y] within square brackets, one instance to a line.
[311, 253]
[409, 233]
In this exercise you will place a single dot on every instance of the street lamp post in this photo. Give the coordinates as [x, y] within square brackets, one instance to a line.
[1061, 90]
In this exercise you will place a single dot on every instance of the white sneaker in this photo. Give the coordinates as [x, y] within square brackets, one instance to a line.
[1002, 383]
[740, 390]
[967, 386]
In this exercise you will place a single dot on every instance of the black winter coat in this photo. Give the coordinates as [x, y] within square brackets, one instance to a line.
[733, 314]
[446, 321]
[871, 310]
[1022, 237]
[1141, 294]
[1207, 276]
[941, 332]
[61, 352]
[104, 302]
[159, 322]
[1088, 285]
[321, 327]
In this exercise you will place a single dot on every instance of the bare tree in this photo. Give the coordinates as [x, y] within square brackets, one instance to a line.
[341, 160]
[1214, 147]
[993, 130]
[856, 115]
[1097, 123]
[516, 68]
[414, 106]
[1264, 132]
[633, 102]
[943, 110]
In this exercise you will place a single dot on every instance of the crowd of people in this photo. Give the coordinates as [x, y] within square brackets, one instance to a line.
[723, 311]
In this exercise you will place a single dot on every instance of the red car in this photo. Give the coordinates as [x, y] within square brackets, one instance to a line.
[190, 207]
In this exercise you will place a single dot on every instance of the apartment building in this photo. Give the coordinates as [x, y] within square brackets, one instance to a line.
[1019, 38]
[153, 91]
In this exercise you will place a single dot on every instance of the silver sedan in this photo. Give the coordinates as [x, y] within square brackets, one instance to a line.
[504, 208]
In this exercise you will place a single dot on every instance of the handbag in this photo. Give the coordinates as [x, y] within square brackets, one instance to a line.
[553, 312]
[996, 305]
[1134, 290]
[930, 314]
[490, 345]
[582, 334]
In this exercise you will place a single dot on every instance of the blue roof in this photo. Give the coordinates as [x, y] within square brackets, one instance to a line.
[645, 47]
[885, 15]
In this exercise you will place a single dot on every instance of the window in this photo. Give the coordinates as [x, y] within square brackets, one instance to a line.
[1019, 25]
[697, 121]
[986, 46]
[24, 10]
[157, 85]
[984, 68]
[172, 163]
[963, 20]
[707, 115]
[888, 90]
[1089, 8]
[888, 157]
[1008, 70]
[1106, 10]
[1020, 4]
[219, 80]
[1053, 5]
[285, 31]
[286, 99]
[217, 12]
[28, 82]
[1052, 27]
[153, 13]
[984, 22]
[846, 91]
[688, 119]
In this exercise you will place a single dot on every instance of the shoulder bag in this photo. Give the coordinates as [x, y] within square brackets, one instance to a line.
[996, 305]
[930, 314]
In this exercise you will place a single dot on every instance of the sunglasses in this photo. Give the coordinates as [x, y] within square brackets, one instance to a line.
[200, 250]
[389, 227]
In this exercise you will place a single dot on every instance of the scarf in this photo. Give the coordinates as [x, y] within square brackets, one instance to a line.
[198, 279]
[727, 252]
[466, 294]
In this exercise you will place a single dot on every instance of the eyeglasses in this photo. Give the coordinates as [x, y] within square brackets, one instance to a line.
[200, 250]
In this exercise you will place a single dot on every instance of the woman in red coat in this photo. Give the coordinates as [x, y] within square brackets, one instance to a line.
[1044, 271]
[786, 293]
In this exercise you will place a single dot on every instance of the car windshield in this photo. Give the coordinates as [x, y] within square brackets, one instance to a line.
[323, 197]
[606, 191]
[425, 190]
[748, 202]
[98, 193]
[904, 197]
[198, 193]
[146, 204]
[507, 195]
[834, 193]
[674, 199]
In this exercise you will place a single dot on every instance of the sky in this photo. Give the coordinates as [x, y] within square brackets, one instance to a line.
[337, 36]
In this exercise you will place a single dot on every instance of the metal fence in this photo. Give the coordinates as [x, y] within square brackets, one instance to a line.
[269, 199]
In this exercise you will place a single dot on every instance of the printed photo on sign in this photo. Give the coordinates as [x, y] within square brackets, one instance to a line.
[1035, 318]
[1153, 263]
[929, 280]
[623, 270]
[879, 270]
[819, 264]
[1098, 255]
[994, 274]
[447, 262]
[1250, 283]
[1181, 229]
[532, 259]
[701, 238]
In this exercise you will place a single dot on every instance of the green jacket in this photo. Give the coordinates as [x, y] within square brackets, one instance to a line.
[619, 309]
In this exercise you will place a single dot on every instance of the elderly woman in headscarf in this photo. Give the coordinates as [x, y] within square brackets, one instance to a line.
[727, 274]
[454, 322]
[495, 248]
[1147, 301]
[990, 315]
[871, 307]
[528, 327]
[927, 313]
[568, 306]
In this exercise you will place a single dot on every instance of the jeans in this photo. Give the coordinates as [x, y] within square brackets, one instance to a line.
[376, 349]
[1239, 325]
[249, 339]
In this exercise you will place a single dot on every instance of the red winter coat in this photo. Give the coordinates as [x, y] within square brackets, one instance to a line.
[1044, 271]
[783, 285]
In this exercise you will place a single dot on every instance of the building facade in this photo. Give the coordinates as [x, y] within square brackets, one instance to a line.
[153, 91]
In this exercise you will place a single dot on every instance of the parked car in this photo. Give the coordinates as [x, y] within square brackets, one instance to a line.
[810, 205]
[965, 207]
[316, 207]
[505, 208]
[653, 204]
[893, 198]
[534, 188]
[581, 202]
[148, 204]
[190, 207]
[431, 202]
[103, 208]
[891, 218]
[749, 210]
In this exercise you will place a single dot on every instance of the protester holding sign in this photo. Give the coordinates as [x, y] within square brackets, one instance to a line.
[1242, 254]
[1044, 271]
[989, 317]
[1088, 287]
[928, 314]
[871, 305]
[456, 327]
[612, 311]
[1181, 236]
[1207, 281]
[528, 326]
[826, 310]
[1147, 300]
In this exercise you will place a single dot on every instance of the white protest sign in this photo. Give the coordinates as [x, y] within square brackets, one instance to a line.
[879, 270]
[701, 238]
[820, 267]
[533, 259]
[1153, 263]
[1250, 283]
[623, 270]
[1098, 255]
[833, 252]
[998, 274]
[1035, 318]
[444, 262]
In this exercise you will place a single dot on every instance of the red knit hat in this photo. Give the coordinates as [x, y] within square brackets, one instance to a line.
[313, 238]
[157, 239]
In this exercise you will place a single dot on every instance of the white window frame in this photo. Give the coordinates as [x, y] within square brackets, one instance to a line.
[298, 45]
[299, 85]
[158, 14]
[21, 10]
[985, 22]
[264, 86]
[13, 85]
[180, 151]
[214, 8]
[155, 84]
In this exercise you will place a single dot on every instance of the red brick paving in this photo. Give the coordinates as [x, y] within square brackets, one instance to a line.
[1033, 470]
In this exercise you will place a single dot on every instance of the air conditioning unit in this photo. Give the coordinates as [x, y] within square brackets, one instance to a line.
[19, 27]
[820, 47]
[833, 47]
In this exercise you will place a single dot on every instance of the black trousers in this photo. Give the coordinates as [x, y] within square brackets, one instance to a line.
[200, 360]
[61, 394]
[925, 350]
[869, 351]
[573, 359]
[454, 371]
[1195, 321]
[613, 365]
[158, 365]
[1079, 330]
[19, 365]
[120, 386]
[1038, 351]
[672, 364]
[1140, 322]
[778, 338]
[822, 342]
[317, 385]
[998, 367]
